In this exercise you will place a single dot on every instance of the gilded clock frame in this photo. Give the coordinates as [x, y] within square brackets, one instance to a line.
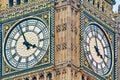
[86, 19]
[12, 27]
[112, 55]
[48, 12]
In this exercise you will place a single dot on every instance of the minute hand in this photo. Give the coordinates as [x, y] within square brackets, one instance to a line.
[23, 34]
[26, 43]
[96, 41]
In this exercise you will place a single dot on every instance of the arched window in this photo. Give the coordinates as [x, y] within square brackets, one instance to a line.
[18, 2]
[49, 76]
[34, 78]
[41, 77]
[26, 78]
[103, 6]
[98, 4]
[93, 2]
[83, 78]
[10, 3]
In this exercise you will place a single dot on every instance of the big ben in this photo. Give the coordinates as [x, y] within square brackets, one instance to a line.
[58, 40]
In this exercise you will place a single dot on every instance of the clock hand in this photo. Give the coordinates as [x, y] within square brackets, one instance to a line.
[98, 52]
[25, 41]
[33, 46]
[96, 47]
[23, 34]
[26, 44]
[96, 41]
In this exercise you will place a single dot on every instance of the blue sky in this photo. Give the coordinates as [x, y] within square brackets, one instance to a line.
[115, 7]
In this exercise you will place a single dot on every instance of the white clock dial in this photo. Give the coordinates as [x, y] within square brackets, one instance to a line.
[26, 43]
[97, 49]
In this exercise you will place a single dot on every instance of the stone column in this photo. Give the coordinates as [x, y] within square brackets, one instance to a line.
[85, 77]
[69, 33]
[22, 78]
[96, 3]
[30, 77]
[68, 73]
[80, 76]
[100, 2]
[37, 76]
[53, 75]
[45, 76]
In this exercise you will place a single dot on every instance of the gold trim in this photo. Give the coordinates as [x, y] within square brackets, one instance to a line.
[8, 33]
[107, 36]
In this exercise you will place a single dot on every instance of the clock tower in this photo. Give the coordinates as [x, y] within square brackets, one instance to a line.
[57, 40]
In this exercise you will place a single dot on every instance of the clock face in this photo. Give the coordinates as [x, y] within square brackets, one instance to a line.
[26, 43]
[97, 49]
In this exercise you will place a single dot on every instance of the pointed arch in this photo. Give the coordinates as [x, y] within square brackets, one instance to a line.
[34, 78]
[94, 2]
[98, 4]
[26, 78]
[10, 3]
[49, 76]
[103, 6]
[18, 2]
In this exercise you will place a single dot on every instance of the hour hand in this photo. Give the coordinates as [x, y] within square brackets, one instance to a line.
[26, 44]
[96, 41]
[98, 52]
[32, 45]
